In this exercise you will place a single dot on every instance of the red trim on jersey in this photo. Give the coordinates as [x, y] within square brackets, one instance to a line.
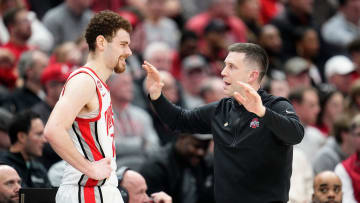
[99, 114]
[98, 94]
[97, 77]
[89, 195]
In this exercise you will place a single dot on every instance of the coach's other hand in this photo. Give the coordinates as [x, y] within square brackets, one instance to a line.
[153, 81]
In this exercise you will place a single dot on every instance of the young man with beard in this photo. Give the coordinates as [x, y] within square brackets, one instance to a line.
[254, 132]
[80, 128]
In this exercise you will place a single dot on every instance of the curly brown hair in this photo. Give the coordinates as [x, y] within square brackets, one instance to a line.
[105, 23]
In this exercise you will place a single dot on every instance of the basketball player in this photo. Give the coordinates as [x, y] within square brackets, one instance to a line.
[80, 128]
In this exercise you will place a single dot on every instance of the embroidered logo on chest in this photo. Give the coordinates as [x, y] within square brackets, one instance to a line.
[254, 123]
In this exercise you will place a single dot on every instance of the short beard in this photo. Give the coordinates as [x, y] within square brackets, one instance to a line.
[119, 68]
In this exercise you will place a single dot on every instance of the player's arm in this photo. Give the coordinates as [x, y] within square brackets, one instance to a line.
[80, 90]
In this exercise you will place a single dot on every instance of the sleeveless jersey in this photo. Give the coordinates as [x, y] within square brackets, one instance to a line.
[93, 136]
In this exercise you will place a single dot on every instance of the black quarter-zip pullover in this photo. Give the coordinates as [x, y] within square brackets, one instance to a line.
[252, 155]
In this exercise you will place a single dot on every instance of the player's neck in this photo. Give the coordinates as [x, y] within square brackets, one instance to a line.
[98, 65]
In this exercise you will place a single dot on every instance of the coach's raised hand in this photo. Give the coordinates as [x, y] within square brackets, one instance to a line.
[153, 81]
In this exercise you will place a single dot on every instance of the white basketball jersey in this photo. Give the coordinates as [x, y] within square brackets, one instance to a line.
[93, 136]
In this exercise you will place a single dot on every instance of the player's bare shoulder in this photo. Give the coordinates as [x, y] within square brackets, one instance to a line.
[81, 90]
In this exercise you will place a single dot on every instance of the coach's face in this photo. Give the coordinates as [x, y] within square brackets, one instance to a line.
[237, 69]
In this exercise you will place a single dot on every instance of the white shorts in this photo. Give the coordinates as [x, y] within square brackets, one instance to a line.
[76, 194]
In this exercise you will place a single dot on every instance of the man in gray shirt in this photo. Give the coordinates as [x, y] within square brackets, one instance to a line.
[337, 148]
[68, 20]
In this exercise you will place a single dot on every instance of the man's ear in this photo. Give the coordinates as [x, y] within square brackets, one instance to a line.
[100, 42]
[21, 137]
[254, 76]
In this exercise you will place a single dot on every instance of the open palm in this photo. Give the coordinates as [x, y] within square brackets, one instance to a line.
[153, 80]
[249, 98]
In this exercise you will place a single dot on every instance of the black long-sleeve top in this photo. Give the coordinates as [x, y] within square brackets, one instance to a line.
[252, 155]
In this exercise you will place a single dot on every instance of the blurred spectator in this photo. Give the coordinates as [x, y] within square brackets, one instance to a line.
[68, 53]
[159, 55]
[343, 28]
[191, 8]
[4, 7]
[19, 27]
[306, 104]
[307, 44]
[158, 27]
[332, 105]
[10, 184]
[53, 79]
[31, 65]
[297, 72]
[270, 40]
[194, 72]
[40, 7]
[40, 36]
[354, 52]
[135, 136]
[5, 118]
[27, 141]
[338, 71]
[270, 9]
[224, 10]
[213, 46]
[301, 178]
[83, 47]
[337, 148]
[325, 9]
[188, 46]
[135, 187]
[349, 170]
[75, 13]
[352, 106]
[113, 5]
[297, 13]
[249, 12]
[327, 188]
[279, 87]
[180, 170]
[212, 90]
[8, 74]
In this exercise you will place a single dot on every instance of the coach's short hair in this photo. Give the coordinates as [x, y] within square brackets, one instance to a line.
[253, 54]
